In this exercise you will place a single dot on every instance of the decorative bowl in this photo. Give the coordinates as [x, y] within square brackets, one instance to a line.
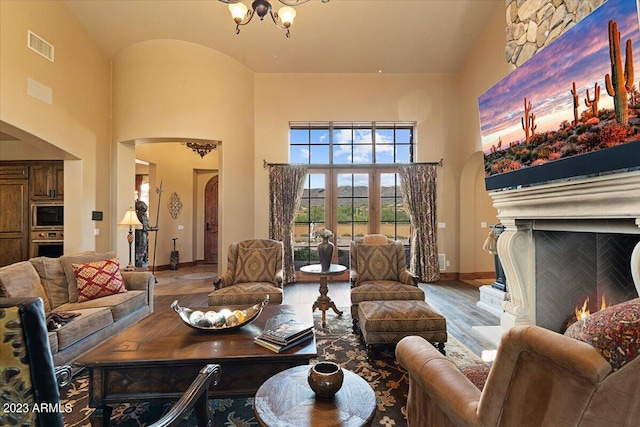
[325, 379]
[224, 320]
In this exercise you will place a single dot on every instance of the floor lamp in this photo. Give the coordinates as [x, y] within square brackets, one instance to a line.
[130, 219]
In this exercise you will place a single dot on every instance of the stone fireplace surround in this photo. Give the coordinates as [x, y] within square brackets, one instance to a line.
[603, 205]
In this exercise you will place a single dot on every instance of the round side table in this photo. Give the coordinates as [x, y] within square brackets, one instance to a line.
[323, 302]
[286, 400]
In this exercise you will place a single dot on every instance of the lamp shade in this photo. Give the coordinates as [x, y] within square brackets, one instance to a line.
[287, 15]
[130, 219]
[238, 11]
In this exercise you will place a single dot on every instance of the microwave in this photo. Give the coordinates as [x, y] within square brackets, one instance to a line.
[47, 215]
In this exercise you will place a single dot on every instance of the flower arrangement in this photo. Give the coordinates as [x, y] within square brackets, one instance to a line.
[322, 232]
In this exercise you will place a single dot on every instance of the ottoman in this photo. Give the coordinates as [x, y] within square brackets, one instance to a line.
[387, 322]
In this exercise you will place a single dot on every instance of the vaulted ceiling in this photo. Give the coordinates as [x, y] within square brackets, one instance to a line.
[340, 36]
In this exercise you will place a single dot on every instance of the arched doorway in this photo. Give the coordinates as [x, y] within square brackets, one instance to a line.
[211, 221]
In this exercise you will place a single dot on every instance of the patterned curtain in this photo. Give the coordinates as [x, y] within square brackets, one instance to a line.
[418, 187]
[286, 184]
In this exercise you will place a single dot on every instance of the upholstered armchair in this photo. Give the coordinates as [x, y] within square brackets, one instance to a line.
[538, 378]
[254, 270]
[27, 378]
[378, 273]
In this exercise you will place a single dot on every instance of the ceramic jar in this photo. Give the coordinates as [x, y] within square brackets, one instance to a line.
[325, 379]
[325, 253]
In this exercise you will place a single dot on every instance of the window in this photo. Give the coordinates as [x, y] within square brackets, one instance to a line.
[351, 143]
[353, 186]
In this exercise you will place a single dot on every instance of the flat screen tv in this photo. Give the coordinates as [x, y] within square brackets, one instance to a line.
[572, 110]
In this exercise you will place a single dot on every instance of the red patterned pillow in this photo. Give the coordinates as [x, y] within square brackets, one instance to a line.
[614, 332]
[98, 279]
[477, 374]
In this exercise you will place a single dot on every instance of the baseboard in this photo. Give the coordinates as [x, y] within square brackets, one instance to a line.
[481, 275]
[181, 264]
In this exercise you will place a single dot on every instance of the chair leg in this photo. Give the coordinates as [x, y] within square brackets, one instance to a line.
[370, 352]
[203, 413]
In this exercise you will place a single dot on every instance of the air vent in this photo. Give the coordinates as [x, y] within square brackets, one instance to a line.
[442, 260]
[39, 45]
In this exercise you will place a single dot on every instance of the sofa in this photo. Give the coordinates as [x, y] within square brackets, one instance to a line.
[86, 297]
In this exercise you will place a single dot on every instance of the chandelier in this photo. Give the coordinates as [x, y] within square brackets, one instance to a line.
[202, 148]
[283, 18]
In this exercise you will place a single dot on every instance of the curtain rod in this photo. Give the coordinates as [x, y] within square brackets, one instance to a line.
[333, 166]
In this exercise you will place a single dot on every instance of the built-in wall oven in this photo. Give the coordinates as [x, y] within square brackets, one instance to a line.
[47, 229]
[47, 216]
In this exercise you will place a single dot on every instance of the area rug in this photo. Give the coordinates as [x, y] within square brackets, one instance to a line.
[336, 342]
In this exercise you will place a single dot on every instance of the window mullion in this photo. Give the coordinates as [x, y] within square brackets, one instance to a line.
[374, 201]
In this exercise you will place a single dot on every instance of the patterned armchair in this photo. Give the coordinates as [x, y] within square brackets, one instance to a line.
[254, 270]
[379, 273]
[28, 381]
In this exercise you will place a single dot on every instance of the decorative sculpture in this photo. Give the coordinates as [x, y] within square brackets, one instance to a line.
[142, 235]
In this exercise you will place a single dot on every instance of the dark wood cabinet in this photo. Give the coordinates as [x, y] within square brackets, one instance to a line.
[14, 218]
[20, 184]
[46, 181]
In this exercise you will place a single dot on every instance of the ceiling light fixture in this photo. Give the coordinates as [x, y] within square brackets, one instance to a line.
[283, 18]
[202, 148]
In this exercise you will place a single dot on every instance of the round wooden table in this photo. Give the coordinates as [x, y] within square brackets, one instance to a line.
[323, 302]
[286, 400]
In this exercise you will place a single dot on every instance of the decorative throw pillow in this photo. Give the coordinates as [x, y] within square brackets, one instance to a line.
[255, 265]
[98, 279]
[377, 262]
[53, 279]
[614, 332]
[21, 280]
[67, 262]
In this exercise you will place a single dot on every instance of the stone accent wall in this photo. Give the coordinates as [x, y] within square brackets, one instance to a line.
[533, 24]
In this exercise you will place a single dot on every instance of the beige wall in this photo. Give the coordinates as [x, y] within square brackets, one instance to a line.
[169, 90]
[428, 99]
[485, 66]
[77, 122]
[172, 90]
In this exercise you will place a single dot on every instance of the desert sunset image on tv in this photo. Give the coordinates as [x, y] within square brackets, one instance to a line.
[574, 99]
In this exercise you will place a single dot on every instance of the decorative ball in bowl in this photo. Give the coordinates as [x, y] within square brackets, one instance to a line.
[218, 321]
[325, 379]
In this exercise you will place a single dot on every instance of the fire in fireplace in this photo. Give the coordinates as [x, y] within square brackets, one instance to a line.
[582, 312]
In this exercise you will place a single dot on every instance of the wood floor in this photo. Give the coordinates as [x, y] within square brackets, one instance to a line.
[453, 299]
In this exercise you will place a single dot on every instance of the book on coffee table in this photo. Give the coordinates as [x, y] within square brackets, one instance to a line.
[285, 328]
[279, 348]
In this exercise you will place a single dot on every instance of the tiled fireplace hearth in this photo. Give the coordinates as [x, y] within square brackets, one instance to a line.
[566, 241]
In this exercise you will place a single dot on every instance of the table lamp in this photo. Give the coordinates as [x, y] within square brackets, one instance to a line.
[130, 219]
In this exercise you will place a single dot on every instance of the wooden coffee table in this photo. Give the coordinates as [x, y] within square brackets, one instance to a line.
[158, 357]
[286, 400]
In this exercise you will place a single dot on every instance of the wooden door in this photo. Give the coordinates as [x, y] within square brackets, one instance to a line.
[14, 221]
[211, 221]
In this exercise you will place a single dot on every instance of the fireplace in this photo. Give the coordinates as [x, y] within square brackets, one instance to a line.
[571, 267]
[565, 241]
